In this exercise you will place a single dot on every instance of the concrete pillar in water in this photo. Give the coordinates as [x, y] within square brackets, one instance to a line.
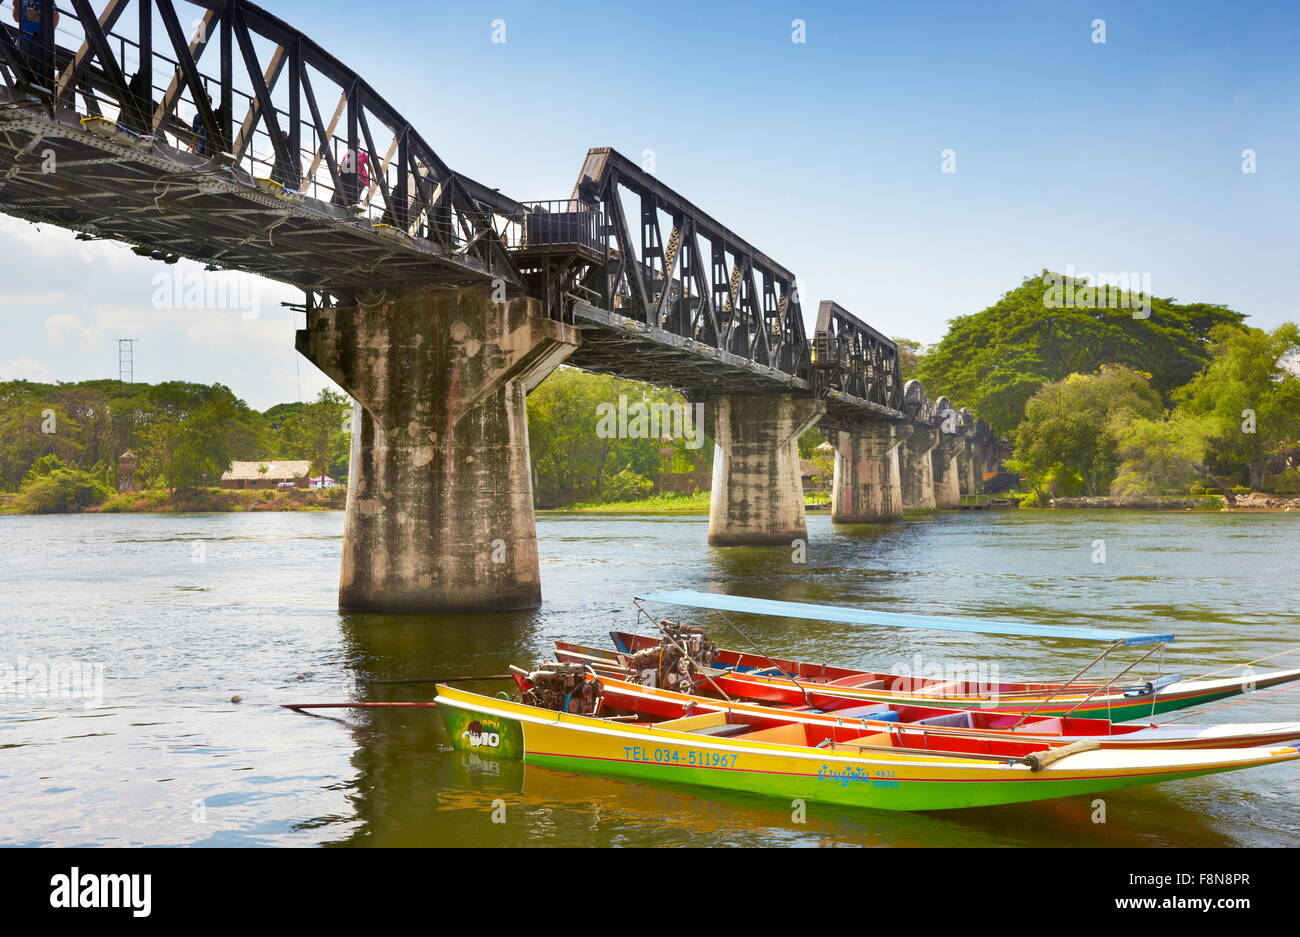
[757, 496]
[967, 472]
[867, 486]
[947, 476]
[440, 501]
[916, 467]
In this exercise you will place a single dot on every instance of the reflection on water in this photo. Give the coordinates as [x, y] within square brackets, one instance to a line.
[169, 759]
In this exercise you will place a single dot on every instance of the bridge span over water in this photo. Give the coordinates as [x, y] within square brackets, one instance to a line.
[213, 130]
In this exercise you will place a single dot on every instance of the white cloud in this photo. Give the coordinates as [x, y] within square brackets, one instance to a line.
[23, 369]
[67, 332]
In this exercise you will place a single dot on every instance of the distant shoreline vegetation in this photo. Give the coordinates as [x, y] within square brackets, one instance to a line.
[1134, 396]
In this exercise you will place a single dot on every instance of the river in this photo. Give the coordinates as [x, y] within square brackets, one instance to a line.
[184, 612]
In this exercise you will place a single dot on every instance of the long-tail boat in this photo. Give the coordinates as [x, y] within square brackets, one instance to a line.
[819, 762]
[919, 723]
[757, 676]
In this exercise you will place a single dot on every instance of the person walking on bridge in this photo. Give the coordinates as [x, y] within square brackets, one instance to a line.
[30, 17]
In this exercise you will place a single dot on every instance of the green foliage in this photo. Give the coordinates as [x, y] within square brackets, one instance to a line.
[89, 424]
[910, 355]
[1248, 396]
[1065, 440]
[50, 488]
[994, 361]
[196, 449]
[809, 441]
[627, 486]
[1159, 455]
[1288, 482]
[315, 431]
[576, 448]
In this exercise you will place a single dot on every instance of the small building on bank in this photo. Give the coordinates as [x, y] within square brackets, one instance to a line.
[269, 474]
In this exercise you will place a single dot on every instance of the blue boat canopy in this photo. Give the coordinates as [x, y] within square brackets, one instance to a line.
[857, 616]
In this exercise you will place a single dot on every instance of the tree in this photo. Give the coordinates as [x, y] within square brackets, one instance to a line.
[32, 426]
[193, 451]
[995, 360]
[315, 431]
[577, 445]
[53, 488]
[1158, 455]
[910, 355]
[1067, 425]
[1250, 394]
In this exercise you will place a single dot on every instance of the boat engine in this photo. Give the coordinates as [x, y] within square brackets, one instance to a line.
[562, 688]
[674, 663]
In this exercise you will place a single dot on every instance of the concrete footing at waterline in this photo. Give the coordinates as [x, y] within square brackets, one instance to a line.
[757, 495]
[867, 488]
[440, 502]
[916, 468]
[947, 472]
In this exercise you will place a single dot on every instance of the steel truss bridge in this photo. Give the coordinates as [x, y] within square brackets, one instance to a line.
[213, 130]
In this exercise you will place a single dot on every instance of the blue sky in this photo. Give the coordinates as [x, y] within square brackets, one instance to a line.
[1118, 156]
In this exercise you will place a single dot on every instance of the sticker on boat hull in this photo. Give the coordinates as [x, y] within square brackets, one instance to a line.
[484, 734]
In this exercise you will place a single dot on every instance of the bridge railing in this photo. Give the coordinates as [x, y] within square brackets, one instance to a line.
[674, 268]
[557, 225]
[852, 358]
[256, 111]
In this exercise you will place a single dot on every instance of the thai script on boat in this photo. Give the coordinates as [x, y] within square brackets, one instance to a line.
[854, 775]
[846, 776]
[53, 679]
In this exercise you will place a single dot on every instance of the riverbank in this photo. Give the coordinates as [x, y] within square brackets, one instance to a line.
[666, 505]
[1249, 503]
[210, 500]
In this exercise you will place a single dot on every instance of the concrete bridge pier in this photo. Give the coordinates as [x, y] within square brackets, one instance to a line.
[968, 468]
[440, 506]
[947, 472]
[916, 468]
[867, 487]
[757, 496]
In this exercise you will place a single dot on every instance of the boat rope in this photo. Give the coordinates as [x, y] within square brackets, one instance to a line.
[763, 654]
[1235, 702]
[1160, 672]
[488, 676]
[1097, 689]
[1088, 666]
[1215, 673]
[779, 669]
[1106, 686]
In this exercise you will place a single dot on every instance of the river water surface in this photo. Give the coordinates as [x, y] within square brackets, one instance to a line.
[185, 611]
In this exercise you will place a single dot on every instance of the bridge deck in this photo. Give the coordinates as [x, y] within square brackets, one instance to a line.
[178, 203]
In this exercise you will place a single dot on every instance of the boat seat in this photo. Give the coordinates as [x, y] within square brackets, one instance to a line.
[948, 721]
[722, 731]
[941, 689]
[867, 712]
[857, 682]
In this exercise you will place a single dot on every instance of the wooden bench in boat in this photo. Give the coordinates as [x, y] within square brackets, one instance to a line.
[857, 682]
[714, 725]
